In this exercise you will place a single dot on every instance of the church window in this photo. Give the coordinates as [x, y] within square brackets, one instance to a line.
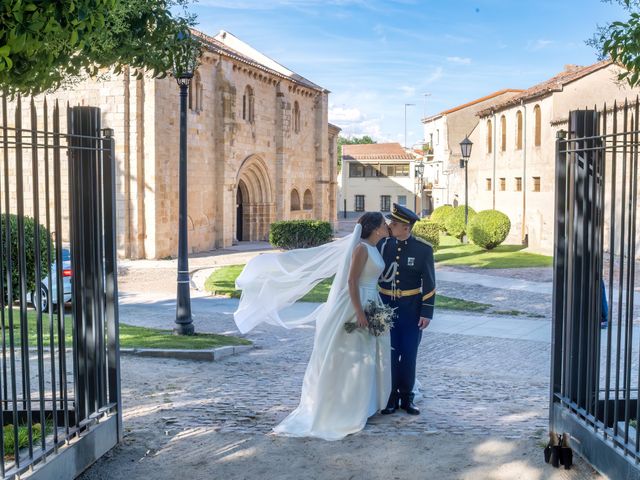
[519, 130]
[195, 93]
[248, 104]
[308, 200]
[538, 126]
[489, 136]
[503, 128]
[296, 117]
[295, 200]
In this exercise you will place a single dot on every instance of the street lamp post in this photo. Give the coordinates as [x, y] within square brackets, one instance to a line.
[465, 147]
[185, 62]
[405, 121]
[419, 172]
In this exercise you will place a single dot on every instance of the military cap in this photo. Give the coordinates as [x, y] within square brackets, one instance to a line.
[402, 214]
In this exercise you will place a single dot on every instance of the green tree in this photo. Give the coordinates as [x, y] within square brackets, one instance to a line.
[620, 41]
[351, 141]
[45, 43]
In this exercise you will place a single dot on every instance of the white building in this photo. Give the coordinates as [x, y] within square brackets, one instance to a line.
[512, 164]
[443, 133]
[374, 176]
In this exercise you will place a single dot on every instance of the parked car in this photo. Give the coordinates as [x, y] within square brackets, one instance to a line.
[43, 305]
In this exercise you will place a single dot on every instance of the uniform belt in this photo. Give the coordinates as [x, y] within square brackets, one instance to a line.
[400, 293]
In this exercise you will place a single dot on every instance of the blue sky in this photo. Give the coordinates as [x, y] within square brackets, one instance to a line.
[376, 55]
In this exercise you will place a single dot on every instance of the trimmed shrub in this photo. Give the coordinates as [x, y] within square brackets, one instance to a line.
[440, 215]
[29, 252]
[489, 228]
[289, 234]
[429, 231]
[455, 221]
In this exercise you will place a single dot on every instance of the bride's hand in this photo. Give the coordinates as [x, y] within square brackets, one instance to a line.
[361, 320]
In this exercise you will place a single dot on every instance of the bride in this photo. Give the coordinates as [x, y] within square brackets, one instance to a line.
[348, 377]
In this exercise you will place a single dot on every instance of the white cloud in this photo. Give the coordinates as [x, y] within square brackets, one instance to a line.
[539, 44]
[355, 123]
[345, 115]
[459, 60]
[408, 91]
[435, 76]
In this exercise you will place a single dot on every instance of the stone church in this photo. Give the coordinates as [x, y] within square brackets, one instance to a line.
[260, 149]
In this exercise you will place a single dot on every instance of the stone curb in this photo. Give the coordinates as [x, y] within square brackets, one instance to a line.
[211, 355]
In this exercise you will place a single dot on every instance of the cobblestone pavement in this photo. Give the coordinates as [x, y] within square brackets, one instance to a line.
[476, 390]
[485, 407]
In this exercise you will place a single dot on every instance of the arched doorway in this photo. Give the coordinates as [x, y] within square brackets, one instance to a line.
[254, 201]
[239, 214]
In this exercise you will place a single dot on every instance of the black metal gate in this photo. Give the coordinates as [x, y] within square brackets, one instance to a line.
[59, 364]
[595, 344]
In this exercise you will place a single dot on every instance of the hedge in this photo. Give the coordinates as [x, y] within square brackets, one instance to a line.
[455, 222]
[489, 229]
[289, 234]
[29, 253]
[440, 215]
[429, 231]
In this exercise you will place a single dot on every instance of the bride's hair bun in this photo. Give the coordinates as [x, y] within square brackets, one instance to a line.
[370, 221]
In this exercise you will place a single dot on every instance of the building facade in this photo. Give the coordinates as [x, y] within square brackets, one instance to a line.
[374, 177]
[260, 149]
[512, 164]
[443, 133]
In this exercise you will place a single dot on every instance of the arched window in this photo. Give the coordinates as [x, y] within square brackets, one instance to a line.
[295, 200]
[538, 126]
[248, 104]
[308, 200]
[195, 93]
[503, 128]
[519, 130]
[296, 117]
[489, 136]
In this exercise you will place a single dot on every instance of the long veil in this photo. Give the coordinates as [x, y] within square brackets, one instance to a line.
[273, 282]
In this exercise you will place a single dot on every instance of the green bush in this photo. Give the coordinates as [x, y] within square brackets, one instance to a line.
[440, 215]
[29, 252]
[429, 231]
[291, 234]
[489, 228]
[455, 221]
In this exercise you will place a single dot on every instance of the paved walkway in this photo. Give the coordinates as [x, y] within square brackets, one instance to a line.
[485, 386]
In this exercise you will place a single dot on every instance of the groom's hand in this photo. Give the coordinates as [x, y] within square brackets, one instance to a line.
[423, 323]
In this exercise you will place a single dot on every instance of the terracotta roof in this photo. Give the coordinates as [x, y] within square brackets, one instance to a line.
[473, 102]
[570, 74]
[227, 44]
[375, 151]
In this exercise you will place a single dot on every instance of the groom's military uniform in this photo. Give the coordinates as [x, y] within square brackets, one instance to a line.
[407, 284]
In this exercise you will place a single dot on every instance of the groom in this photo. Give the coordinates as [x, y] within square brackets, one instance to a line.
[408, 284]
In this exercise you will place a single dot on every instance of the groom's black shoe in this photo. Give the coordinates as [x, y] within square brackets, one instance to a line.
[408, 406]
[392, 405]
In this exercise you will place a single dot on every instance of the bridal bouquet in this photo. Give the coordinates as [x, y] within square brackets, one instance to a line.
[379, 316]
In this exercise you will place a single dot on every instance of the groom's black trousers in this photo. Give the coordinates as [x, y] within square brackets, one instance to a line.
[405, 339]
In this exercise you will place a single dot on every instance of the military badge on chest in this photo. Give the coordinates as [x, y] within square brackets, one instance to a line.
[410, 261]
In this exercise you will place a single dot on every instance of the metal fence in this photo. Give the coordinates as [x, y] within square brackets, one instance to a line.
[594, 368]
[59, 367]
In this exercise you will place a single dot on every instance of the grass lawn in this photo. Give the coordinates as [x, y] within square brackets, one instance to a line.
[130, 336]
[452, 252]
[222, 282]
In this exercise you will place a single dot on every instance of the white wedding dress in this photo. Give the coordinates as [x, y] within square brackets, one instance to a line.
[348, 377]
